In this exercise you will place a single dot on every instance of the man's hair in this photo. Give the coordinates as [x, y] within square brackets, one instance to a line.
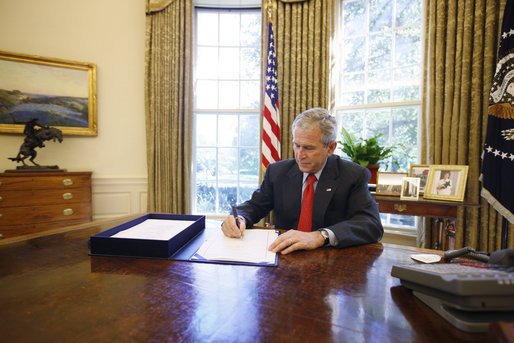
[318, 117]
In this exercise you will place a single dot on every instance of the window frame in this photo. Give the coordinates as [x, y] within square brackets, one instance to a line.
[390, 106]
[222, 111]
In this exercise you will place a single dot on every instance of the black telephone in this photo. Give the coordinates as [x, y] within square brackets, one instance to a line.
[503, 257]
[469, 295]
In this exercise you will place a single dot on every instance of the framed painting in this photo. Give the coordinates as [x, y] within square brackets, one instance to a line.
[446, 182]
[49, 91]
[390, 183]
[421, 171]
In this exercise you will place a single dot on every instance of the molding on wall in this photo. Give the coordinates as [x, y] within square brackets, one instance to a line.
[399, 237]
[114, 197]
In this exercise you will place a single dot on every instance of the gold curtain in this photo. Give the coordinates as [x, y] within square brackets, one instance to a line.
[168, 89]
[461, 41]
[302, 36]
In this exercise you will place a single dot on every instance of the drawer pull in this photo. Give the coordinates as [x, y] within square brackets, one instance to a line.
[67, 211]
[67, 182]
[67, 196]
[1, 215]
[1, 198]
[400, 207]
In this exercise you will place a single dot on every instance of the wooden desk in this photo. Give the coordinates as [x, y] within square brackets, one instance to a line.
[51, 290]
[444, 211]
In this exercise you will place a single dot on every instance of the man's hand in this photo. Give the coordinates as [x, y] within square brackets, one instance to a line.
[230, 229]
[293, 240]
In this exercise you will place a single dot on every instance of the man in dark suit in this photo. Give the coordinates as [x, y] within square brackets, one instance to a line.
[343, 213]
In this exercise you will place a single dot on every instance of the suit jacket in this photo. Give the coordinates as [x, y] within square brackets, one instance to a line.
[342, 202]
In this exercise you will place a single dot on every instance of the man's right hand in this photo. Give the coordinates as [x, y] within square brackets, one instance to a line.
[230, 229]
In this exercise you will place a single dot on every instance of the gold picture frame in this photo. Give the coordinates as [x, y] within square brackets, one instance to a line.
[446, 182]
[389, 183]
[58, 93]
[421, 171]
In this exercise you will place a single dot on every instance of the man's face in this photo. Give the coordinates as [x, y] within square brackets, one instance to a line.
[309, 152]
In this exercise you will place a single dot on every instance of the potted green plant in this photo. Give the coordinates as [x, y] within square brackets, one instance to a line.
[366, 152]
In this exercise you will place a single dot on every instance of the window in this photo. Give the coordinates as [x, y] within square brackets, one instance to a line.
[226, 108]
[378, 90]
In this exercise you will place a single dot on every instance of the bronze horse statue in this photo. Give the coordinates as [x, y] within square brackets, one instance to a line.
[35, 139]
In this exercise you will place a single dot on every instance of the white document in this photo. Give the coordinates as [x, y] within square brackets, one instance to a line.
[252, 247]
[155, 229]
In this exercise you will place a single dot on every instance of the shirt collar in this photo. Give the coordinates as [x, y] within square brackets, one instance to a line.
[317, 174]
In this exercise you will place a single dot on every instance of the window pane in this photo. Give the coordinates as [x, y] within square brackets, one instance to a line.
[206, 197]
[250, 63]
[207, 28]
[227, 130]
[251, 29]
[229, 28]
[352, 98]
[247, 132]
[408, 46]
[408, 12]
[206, 94]
[229, 63]
[380, 50]
[377, 96]
[206, 163]
[405, 125]
[206, 130]
[229, 94]
[380, 78]
[249, 161]
[354, 81]
[380, 15]
[207, 63]
[227, 197]
[354, 14]
[377, 123]
[249, 95]
[354, 53]
[227, 163]
[245, 191]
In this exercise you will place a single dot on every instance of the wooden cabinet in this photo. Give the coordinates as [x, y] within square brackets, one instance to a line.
[36, 202]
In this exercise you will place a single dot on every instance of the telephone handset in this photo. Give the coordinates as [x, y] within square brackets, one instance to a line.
[503, 257]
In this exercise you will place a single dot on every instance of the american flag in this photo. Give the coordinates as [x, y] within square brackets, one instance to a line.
[498, 155]
[271, 120]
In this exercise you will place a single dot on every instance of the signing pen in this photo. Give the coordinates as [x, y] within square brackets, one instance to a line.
[234, 211]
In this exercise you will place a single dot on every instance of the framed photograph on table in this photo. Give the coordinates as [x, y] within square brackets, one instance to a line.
[410, 188]
[55, 92]
[421, 171]
[446, 182]
[390, 183]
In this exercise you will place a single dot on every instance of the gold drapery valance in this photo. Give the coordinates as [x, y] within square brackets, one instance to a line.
[157, 5]
[292, 1]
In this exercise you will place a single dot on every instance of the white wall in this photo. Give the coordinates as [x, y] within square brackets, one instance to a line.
[111, 34]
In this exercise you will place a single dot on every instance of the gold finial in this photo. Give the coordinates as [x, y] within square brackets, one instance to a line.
[269, 8]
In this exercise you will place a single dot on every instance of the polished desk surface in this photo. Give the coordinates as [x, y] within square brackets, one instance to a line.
[51, 290]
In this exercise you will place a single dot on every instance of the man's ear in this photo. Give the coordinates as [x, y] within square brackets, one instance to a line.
[331, 148]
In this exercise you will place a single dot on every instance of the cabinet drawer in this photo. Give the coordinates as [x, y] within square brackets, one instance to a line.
[44, 197]
[40, 214]
[63, 181]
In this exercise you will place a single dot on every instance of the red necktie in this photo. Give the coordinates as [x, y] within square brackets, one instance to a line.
[305, 222]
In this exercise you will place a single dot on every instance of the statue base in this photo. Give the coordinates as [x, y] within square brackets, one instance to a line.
[35, 169]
